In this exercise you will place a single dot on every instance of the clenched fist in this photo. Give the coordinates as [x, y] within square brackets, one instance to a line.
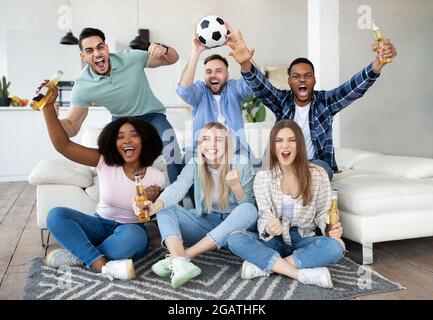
[274, 227]
[233, 178]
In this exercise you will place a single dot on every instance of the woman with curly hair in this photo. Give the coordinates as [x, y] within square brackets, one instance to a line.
[109, 240]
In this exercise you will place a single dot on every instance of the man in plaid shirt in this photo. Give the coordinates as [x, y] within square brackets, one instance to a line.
[312, 110]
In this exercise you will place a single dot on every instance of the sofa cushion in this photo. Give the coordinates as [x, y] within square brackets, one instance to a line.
[404, 167]
[373, 194]
[93, 190]
[61, 171]
[347, 157]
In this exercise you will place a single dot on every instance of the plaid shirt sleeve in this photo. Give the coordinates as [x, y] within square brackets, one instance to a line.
[272, 97]
[323, 200]
[339, 98]
[262, 191]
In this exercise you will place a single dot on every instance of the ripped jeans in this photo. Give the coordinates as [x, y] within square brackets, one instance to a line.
[180, 222]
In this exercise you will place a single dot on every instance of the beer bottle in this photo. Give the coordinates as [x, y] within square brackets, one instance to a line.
[45, 93]
[140, 197]
[334, 215]
[379, 39]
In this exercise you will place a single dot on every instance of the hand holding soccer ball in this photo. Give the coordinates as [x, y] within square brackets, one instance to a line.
[211, 31]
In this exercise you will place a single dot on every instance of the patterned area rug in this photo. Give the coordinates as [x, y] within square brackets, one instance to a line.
[219, 281]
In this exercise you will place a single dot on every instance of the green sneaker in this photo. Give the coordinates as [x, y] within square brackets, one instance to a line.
[162, 267]
[183, 271]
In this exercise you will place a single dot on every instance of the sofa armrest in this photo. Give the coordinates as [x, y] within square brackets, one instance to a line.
[60, 171]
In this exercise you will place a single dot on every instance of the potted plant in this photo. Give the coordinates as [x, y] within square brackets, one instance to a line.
[4, 93]
[255, 110]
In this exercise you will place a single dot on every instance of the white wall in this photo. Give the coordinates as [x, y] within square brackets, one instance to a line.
[276, 28]
[396, 114]
[393, 117]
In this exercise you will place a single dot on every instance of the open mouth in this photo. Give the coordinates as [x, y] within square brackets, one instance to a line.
[100, 63]
[303, 90]
[211, 151]
[129, 151]
[214, 84]
[286, 155]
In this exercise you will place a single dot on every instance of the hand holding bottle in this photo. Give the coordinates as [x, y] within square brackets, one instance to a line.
[383, 49]
[142, 208]
[45, 92]
[51, 98]
[334, 230]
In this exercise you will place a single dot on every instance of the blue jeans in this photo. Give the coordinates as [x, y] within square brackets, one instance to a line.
[171, 150]
[325, 166]
[92, 237]
[182, 223]
[309, 252]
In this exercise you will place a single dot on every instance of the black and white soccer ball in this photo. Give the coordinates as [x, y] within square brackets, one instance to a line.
[211, 31]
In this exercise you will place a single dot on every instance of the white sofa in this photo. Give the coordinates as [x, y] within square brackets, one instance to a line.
[381, 198]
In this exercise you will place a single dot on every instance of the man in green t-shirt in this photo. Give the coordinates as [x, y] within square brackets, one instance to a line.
[117, 81]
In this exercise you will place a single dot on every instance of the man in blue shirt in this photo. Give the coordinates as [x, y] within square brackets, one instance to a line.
[312, 110]
[117, 81]
[216, 99]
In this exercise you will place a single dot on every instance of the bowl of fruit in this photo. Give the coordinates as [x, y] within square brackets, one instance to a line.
[18, 102]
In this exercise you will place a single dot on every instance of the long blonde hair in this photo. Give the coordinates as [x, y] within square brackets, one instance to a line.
[205, 175]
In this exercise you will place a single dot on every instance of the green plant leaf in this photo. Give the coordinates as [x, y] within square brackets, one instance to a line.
[250, 117]
[261, 114]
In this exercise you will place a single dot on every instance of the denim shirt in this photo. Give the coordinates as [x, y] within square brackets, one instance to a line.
[324, 105]
[204, 106]
[189, 176]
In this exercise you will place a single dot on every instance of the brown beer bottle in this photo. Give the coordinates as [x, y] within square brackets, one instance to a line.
[45, 93]
[379, 39]
[334, 215]
[141, 197]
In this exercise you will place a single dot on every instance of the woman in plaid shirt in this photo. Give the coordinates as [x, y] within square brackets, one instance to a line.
[224, 198]
[293, 198]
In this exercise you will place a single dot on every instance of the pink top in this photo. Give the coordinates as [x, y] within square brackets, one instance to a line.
[117, 191]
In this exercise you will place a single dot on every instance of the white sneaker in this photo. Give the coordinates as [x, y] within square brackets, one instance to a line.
[119, 269]
[250, 271]
[317, 276]
[61, 257]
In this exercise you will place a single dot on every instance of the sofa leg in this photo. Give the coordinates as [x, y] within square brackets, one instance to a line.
[367, 253]
[45, 244]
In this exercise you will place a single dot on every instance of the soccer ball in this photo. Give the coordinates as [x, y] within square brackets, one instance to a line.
[211, 31]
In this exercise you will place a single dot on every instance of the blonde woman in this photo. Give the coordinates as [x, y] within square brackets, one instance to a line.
[293, 198]
[223, 192]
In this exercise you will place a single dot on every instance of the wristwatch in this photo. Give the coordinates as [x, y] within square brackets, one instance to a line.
[163, 45]
[166, 48]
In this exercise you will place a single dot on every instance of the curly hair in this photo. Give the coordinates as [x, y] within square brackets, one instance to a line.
[151, 143]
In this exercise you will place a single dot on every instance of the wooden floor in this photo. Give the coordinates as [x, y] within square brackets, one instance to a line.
[408, 262]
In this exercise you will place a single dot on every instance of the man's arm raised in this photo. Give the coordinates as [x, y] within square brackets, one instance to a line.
[74, 119]
[187, 77]
[161, 55]
[241, 53]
